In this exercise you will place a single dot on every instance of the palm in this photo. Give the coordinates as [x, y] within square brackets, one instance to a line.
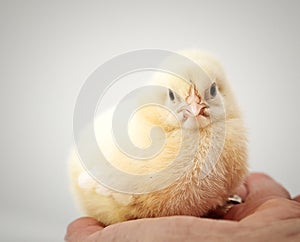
[268, 214]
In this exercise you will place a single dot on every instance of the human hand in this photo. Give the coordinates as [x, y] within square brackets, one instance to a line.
[268, 213]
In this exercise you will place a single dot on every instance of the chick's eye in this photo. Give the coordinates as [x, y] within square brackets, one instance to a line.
[171, 95]
[213, 90]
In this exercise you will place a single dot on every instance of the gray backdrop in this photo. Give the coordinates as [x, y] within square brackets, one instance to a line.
[49, 48]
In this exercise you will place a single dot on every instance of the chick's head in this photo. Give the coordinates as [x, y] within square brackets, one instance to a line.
[195, 104]
[197, 97]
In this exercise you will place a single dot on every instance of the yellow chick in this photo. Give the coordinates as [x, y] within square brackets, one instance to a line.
[202, 130]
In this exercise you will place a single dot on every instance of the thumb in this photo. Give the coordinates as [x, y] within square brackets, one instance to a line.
[81, 229]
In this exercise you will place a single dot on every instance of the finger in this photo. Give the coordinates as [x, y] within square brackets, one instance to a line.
[262, 187]
[259, 189]
[242, 191]
[81, 228]
[297, 198]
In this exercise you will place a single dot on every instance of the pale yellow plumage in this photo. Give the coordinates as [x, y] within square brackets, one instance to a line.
[189, 195]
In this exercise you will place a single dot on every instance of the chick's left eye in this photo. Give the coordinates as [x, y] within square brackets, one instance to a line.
[213, 90]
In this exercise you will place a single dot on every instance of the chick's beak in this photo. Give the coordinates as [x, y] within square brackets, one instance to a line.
[195, 107]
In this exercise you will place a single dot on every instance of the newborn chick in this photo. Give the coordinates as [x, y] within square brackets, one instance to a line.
[203, 132]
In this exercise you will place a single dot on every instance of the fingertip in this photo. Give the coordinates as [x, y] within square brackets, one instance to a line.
[242, 191]
[83, 222]
[81, 225]
[297, 198]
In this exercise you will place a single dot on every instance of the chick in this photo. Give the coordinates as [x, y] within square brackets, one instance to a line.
[211, 167]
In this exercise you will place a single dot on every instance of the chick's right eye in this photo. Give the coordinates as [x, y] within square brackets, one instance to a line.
[213, 90]
[171, 95]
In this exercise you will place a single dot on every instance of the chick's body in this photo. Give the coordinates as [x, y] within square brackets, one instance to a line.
[193, 193]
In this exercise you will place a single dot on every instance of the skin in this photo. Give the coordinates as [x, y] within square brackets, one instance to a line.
[268, 214]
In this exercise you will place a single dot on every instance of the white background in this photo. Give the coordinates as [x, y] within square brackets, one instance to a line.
[49, 48]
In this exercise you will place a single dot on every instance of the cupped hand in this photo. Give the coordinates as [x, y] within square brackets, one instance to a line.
[268, 213]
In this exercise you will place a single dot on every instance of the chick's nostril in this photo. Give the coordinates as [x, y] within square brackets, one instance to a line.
[203, 111]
